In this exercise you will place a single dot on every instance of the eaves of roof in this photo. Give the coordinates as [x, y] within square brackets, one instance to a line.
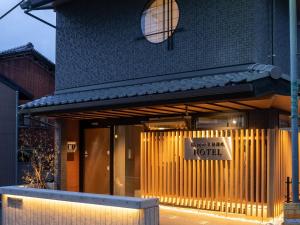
[254, 73]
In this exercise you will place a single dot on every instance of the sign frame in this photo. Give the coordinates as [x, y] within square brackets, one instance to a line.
[214, 148]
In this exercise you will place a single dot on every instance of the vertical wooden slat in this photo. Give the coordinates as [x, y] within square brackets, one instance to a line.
[199, 172]
[278, 175]
[241, 169]
[168, 165]
[194, 182]
[146, 164]
[185, 176]
[142, 181]
[247, 173]
[252, 171]
[165, 179]
[231, 176]
[149, 187]
[227, 182]
[152, 163]
[217, 183]
[222, 193]
[181, 167]
[160, 165]
[203, 178]
[270, 172]
[236, 169]
[173, 167]
[189, 175]
[213, 179]
[263, 171]
[258, 171]
[207, 181]
[156, 164]
[177, 171]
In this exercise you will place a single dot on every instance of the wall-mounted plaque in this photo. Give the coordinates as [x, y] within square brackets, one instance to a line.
[71, 146]
[71, 149]
[218, 148]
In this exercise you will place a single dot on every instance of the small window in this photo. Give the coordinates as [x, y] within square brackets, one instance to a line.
[284, 121]
[221, 121]
[25, 121]
[159, 20]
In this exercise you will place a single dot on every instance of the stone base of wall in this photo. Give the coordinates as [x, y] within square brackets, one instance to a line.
[291, 214]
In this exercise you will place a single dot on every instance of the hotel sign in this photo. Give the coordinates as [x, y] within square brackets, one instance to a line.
[218, 148]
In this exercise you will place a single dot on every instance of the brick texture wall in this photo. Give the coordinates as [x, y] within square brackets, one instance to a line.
[102, 42]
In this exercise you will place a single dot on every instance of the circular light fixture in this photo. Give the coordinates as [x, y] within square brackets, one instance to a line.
[159, 20]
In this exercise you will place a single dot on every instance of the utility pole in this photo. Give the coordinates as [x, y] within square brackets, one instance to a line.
[294, 99]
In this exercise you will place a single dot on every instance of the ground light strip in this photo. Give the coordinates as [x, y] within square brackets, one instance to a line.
[275, 221]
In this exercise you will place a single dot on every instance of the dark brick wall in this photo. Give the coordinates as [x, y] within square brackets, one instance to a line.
[97, 42]
[100, 42]
[29, 74]
[262, 46]
[281, 35]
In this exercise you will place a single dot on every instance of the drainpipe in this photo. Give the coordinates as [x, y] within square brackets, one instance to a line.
[17, 138]
[294, 98]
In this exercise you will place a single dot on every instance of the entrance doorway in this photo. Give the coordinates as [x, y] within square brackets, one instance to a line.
[96, 173]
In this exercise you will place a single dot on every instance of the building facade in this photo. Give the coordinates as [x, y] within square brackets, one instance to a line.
[25, 75]
[137, 80]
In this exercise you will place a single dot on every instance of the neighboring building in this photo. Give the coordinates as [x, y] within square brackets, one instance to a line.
[137, 80]
[25, 75]
[10, 94]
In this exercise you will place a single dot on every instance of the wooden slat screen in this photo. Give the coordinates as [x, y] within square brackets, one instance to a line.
[252, 183]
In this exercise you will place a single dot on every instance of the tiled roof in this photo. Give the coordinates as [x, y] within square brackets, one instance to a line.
[253, 72]
[26, 49]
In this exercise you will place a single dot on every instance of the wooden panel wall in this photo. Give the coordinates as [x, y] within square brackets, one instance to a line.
[29, 74]
[251, 184]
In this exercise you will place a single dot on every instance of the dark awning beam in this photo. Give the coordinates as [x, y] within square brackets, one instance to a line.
[205, 95]
[41, 4]
[223, 106]
[243, 104]
[27, 12]
[203, 108]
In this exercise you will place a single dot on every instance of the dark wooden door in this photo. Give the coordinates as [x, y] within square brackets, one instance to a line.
[96, 160]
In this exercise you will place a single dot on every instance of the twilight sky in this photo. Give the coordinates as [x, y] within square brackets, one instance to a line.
[17, 29]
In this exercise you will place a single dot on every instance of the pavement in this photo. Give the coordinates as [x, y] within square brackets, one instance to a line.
[177, 216]
[171, 216]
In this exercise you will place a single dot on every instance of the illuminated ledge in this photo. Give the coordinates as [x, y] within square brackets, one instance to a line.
[95, 199]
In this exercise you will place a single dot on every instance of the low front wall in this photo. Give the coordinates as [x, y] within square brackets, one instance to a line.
[29, 206]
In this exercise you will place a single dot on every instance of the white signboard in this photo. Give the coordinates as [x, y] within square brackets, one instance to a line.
[219, 148]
